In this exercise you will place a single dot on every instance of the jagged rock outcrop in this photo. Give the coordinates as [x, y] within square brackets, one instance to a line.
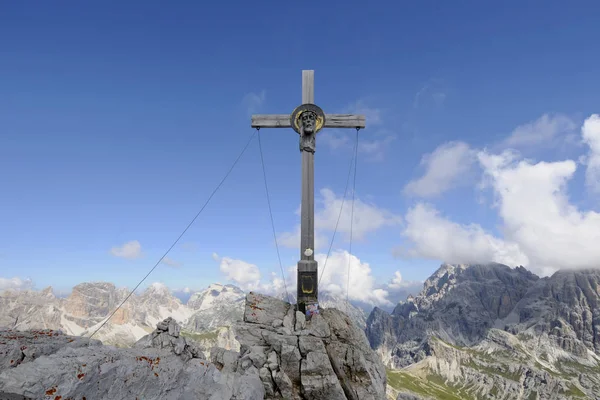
[86, 308]
[566, 307]
[37, 364]
[326, 357]
[283, 356]
[207, 317]
[489, 331]
[458, 303]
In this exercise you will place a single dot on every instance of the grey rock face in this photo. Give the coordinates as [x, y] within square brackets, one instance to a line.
[459, 303]
[327, 357]
[497, 330]
[37, 364]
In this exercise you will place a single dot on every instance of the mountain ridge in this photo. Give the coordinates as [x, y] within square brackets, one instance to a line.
[503, 330]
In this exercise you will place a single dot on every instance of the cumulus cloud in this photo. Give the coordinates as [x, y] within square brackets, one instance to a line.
[367, 218]
[434, 237]
[254, 101]
[590, 132]
[170, 262]
[444, 168]
[334, 278]
[364, 288]
[362, 284]
[537, 214]
[245, 275]
[545, 131]
[130, 250]
[397, 281]
[292, 239]
[15, 283]
[540, 227]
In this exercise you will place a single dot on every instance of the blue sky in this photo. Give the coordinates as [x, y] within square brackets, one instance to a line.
[117, 121]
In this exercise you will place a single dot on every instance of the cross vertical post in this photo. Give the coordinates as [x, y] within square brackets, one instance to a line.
[307, 290]
[307, 120]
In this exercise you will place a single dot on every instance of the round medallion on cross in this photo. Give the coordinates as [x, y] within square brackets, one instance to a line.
[308, 118]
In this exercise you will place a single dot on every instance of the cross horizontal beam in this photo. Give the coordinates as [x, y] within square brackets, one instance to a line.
[331, 121]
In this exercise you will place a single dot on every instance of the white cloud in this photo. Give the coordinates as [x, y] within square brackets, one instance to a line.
[367, 218]
[130, 250]
[541, 228]
[187, 290]
[170, 262]
[396, 282]
[254, 101]
[245, 275]
[545, 131]
[373, 149]
[15, 283]
[536, 212]
[362, 283]
[372, 115]
[292, 239]
[590, 132]
[435, 237]
[444, 168]
[335, 279]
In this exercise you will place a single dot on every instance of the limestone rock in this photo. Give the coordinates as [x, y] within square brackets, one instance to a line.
[495, 329]
[261, 309]
[319, 381]
[318, 327]
[300, 321]
[327, 357]
[166, 336]
[275, 361]
[161, 366]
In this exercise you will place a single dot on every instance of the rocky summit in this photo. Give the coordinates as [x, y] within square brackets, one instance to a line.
[50, 365]
[282, 356]
[326, 357]
[493, 332]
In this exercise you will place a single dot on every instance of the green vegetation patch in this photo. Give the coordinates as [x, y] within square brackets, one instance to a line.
[212, 335]
[434, 386]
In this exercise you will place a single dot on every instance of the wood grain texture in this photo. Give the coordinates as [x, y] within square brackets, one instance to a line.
[308, 86]
[344, 121]
[271, 121]
[331, 121]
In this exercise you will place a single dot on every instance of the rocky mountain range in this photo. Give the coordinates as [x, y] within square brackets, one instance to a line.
[206, 317]
[283, 355]
[473, 332]
[489, 331]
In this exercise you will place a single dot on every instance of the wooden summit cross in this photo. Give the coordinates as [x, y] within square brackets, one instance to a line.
[308, 119]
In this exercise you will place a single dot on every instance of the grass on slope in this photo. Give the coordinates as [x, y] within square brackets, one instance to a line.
[434, 386]
[212, 335]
